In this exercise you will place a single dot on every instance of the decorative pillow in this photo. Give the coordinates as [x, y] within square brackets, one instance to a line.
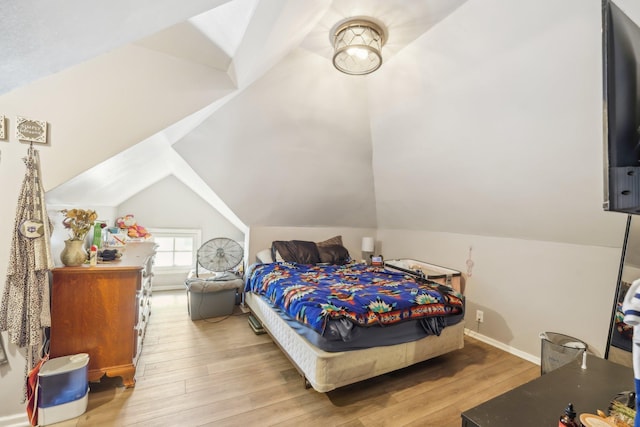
[299, 251]
[264, 256]
[336, 240]
[334, 254]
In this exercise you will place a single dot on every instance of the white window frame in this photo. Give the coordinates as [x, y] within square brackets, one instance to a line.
[178, 232]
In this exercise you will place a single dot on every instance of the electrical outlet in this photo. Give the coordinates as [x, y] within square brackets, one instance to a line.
[479, 316]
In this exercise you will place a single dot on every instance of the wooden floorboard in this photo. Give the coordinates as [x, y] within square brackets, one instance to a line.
[217, 372]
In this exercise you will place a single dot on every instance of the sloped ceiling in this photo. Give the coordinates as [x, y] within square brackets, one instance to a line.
[290, 120]
[476, 123]
[281, 155]
[40, 38]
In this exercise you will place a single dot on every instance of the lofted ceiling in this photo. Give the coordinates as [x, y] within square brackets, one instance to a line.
[258, 45]
[239, 100]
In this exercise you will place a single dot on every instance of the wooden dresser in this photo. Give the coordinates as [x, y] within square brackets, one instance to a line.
[103, 311]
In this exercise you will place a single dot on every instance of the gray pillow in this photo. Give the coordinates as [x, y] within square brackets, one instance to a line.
[299, 251]
[334, 254]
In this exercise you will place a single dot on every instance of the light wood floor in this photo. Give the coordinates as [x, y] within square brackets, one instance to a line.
[201, 373]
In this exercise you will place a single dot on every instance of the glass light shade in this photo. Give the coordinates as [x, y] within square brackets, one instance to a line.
[357, 47]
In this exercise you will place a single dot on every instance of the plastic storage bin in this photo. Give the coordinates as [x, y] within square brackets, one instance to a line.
[63, 388]
[558, 350]
[211, 298]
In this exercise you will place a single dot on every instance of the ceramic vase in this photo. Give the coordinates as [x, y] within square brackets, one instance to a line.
[73, 253]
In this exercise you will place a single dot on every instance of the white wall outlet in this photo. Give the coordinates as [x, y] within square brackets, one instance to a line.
[479, 316]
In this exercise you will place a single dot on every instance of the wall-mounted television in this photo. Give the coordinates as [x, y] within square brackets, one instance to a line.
[621, 108]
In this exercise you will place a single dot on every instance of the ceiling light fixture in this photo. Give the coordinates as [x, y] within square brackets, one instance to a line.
[357, 45]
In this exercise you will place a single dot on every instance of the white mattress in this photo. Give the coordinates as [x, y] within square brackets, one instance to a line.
[326, 371]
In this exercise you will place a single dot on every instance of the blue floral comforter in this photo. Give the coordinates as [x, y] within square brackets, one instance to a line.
[365, 295]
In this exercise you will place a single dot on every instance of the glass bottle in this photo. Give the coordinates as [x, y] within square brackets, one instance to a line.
[568, 419]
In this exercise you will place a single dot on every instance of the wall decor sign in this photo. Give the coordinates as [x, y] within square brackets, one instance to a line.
[2, 127]
[31, 130]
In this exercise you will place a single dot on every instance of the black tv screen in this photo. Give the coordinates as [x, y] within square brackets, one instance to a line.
[621, 83]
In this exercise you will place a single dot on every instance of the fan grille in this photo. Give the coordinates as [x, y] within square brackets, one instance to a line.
[220, 254]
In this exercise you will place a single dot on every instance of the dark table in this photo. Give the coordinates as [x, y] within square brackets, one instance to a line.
[541, 402]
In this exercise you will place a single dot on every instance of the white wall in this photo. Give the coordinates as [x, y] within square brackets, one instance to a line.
[170, 204]
[493, 125]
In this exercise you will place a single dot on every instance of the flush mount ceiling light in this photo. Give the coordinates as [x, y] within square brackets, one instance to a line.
[357, 45]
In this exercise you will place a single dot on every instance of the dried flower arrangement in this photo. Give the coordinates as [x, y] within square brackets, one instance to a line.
[79, 222]
[621, 415]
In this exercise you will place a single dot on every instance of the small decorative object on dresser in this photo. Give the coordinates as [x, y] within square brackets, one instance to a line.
[79, 222]
[73, 253]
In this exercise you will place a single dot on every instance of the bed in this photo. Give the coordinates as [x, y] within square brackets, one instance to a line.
[341, 322]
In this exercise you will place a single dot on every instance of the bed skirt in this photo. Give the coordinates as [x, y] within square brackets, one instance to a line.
[326, 371]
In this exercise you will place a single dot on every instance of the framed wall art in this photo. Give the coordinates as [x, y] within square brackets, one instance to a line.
[3, 133]
[31, 130]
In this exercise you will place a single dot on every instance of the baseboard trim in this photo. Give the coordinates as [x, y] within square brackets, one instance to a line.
[15, 420]
[485, 339]
[171, 287]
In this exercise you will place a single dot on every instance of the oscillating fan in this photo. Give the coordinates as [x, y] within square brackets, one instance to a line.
[220, 255]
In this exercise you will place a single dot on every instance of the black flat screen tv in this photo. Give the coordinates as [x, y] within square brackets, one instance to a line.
[621, 110]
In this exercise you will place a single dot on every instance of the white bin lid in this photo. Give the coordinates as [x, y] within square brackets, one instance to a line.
[60, 365]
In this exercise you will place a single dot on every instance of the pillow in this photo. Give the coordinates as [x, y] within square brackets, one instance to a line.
[264, 256]
[336, 240]
[299, 251]
[334, 254]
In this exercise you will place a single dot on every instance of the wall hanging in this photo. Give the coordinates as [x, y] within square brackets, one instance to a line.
[2, 127]
[31, 130]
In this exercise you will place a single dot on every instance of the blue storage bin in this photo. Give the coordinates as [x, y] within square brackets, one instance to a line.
[62, 380]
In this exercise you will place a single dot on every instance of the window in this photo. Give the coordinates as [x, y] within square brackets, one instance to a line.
[176, 249]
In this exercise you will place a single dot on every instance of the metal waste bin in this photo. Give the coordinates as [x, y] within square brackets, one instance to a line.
[558, 350]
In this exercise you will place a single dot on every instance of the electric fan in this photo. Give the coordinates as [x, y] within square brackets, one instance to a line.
[220, 255]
